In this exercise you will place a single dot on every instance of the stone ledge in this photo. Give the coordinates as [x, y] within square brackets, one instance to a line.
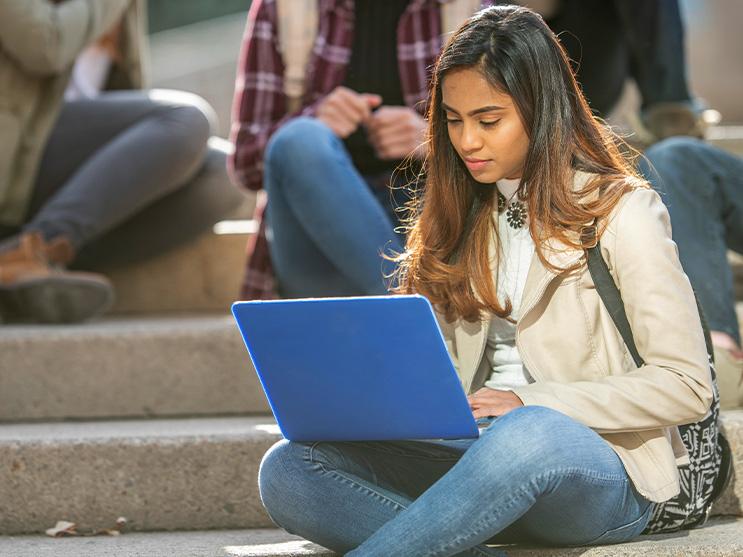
[204, 275]
[731, 501]
[127, 367]
[165, 474]
[159, 474]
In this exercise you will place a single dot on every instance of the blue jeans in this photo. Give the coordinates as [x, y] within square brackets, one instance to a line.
[327, 227]
[619, 39]
[533, 475]
[702, 187]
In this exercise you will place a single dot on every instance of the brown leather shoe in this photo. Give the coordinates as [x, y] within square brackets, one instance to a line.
[33, 290]
[669, 119]
[59, 251]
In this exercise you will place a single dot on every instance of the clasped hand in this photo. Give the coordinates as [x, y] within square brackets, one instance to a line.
[394, 131]
[491, 402]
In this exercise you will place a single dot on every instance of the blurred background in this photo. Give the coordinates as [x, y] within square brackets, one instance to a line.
[195, 44]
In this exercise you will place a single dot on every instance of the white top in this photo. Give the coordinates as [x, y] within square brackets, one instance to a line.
[89, 74]
[516, 252]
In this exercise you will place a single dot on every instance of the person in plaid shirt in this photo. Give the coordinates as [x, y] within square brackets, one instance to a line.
[328, 165]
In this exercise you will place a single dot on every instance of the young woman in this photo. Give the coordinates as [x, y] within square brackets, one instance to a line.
[580, 442]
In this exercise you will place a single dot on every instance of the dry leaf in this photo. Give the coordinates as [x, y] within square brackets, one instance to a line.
[115, 531]
[62, 528]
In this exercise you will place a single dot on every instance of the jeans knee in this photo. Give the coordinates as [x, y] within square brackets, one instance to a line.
[193, 112]
[675, 152]
[299, 145]
[190, 129]
[274, 477]
[529, 436]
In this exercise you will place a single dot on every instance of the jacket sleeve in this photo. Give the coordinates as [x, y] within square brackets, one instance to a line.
[45, 38]
[674, 386]
[259, 106]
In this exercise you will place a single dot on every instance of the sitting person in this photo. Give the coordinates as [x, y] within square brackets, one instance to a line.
[703, 189]
[614, 40]
[90, 175]
[327, 163]
[579, 444]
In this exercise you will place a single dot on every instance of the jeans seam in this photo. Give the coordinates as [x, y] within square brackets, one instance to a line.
[644, 514]
[364, 489]
[479, 529]
[567, 473]
[350, 481]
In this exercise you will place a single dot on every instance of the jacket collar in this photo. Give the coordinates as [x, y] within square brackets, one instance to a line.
[470, 336]
[557, 254]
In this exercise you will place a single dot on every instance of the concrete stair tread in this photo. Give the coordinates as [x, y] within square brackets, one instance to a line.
[167, 474]
[159, 474]
[203, 275]
[135, 366]
[721, 537]
[213, 429]
[127, 367]
[118, 326]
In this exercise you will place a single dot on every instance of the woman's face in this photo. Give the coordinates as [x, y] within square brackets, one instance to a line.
[484, 126]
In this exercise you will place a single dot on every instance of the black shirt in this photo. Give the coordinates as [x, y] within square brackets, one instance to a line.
[373, 69]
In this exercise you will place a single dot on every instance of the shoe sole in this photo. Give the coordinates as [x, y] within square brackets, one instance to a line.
[60, 299]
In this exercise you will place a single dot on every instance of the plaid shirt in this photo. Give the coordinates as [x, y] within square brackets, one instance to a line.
[260, 104]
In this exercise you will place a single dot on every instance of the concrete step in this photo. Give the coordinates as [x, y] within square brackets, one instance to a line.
[127, 367]
[185, 474]
[729, 138]
[204, 275]
[718, 538]
[731, 501]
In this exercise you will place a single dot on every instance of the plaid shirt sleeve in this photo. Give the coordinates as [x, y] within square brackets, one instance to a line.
[259, 106]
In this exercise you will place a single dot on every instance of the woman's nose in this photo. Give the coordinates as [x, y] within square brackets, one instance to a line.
[470, 139]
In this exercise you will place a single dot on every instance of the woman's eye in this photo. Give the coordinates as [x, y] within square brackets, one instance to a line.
[488, 123]
[452, 121]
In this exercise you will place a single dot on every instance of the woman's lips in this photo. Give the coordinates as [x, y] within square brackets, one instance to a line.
[476, 164]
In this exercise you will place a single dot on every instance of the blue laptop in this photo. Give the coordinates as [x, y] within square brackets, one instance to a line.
[355, 369]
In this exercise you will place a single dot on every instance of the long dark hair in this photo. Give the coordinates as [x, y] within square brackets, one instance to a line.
[450, 226]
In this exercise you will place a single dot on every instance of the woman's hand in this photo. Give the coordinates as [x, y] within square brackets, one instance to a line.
[491, 402]
[343, 110]
[396, 132]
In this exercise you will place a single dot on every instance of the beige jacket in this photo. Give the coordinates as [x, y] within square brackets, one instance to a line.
[580, 365]
[39, 41]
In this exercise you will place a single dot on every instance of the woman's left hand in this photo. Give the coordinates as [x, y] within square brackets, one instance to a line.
[491, 402]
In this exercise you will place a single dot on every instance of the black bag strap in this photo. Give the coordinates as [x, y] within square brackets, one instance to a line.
[610, 295]
[612, 298]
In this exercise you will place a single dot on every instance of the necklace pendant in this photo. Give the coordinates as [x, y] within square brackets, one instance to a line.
[515, 211]
[516, 215]
[501, 202]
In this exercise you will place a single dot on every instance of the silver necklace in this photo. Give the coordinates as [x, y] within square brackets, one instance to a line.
[515, 211]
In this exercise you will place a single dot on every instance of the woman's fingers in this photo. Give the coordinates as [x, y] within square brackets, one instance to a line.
[486, 412]
[490, 402]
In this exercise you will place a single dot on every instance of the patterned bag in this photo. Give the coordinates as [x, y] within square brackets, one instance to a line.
[710, 461]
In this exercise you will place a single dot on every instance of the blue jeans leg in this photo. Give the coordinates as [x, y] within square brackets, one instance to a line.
[326, 228]
[702, 187]
[565, 486]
